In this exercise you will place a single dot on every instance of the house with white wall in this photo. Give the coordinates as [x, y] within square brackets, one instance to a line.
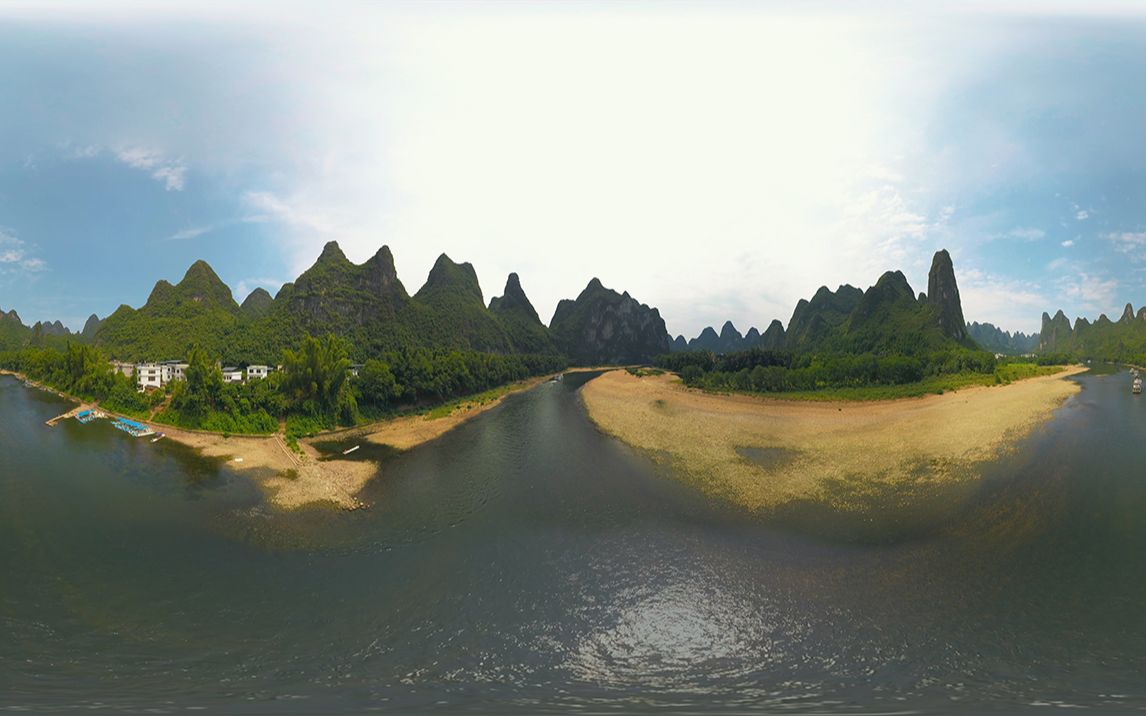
[149, 375]
[258, 371]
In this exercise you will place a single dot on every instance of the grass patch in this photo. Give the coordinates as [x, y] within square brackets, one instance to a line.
[935, 385]
[644, 372]
[469, 401]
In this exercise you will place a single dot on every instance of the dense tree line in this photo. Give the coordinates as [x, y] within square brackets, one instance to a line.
[758, 370]
[315, 387]
[82, 371]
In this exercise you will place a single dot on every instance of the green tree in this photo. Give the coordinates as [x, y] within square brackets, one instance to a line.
[377, 384]
[314, 377]
[203, 387]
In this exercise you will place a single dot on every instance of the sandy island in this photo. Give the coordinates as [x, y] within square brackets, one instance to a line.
[762, 453]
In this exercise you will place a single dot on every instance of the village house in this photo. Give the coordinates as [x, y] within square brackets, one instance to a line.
[257, 371]
[155, 375]
[149, 375]
[159, 374]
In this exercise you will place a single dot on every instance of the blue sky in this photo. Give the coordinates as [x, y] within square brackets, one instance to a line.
[719, 161]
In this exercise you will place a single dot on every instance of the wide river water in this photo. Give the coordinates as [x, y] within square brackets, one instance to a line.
[524, 562]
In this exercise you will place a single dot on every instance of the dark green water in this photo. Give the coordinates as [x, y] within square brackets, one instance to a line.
[525, 563]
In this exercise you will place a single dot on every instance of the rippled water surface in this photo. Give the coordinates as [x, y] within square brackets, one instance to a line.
[526, 563]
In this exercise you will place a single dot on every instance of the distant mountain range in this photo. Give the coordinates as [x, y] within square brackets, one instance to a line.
[887, 318]
[997, 340]
[368, 305]
[1124, 339]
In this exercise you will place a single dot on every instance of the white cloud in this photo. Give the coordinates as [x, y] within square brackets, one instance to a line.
[171, 173]
[33, 264]
[245, 286]
[1090, 293]
[1128, 242]
[426, 131]
[1010, 304]
[1025, 234]
[14, 254]
[1082, 215]
[190, 233]
[1067, 244]
[683, 157]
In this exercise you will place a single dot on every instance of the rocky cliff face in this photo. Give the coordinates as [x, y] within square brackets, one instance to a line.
[90, 327]
[201, 287]
[337, 294]
[51, 328]
[773, 337]
[943, 297]
[13, 332]
[728, 340]
[198, 309]
[513, 303]
[708, 340]
[813, 320]
[1056, 334]
[447, 278]
[257, 304]
[515, 311]
[994, 339]
[604, 327]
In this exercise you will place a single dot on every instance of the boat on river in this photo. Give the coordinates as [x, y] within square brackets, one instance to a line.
[132, 428]
[1136, 386]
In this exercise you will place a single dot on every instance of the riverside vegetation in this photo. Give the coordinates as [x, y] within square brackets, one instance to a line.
[444, 354]
[311, 393]
[444, 342]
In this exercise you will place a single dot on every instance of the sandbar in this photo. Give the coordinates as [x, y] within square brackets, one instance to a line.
[762, 453]
[292, 480]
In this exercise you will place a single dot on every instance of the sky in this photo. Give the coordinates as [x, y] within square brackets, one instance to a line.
[719, 161]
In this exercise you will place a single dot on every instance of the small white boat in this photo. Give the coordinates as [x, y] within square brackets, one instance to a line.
[158, 437]
[1136, 387]
[347, 452]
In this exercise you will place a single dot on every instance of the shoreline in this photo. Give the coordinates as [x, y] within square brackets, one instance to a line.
[290, 480]
[764, 453]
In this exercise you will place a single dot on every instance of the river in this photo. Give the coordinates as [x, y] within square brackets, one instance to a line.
[526, 563]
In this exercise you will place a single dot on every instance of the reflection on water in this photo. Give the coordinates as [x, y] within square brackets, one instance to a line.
[526, 562]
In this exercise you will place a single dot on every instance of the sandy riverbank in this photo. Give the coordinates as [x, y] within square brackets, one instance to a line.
[762, 453]
[291, 480]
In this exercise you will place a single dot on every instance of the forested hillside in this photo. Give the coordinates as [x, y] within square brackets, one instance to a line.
[365, 304]
[1121, 340]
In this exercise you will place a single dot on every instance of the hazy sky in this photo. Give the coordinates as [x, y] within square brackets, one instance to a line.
[718, 161]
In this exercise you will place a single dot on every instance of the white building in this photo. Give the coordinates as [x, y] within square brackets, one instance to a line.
[257, 371]
[232, 375]
[173, 370]
[149, 375]
[156, 375]
[354, 369]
